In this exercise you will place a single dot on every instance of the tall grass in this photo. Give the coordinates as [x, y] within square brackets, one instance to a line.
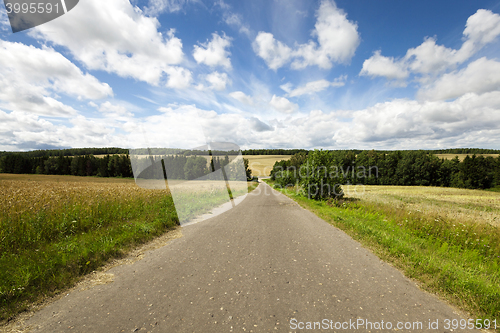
[54, 229]
[460, 262]
[52, 232]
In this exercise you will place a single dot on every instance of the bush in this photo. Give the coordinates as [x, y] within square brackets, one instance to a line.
[286, 178]
[320, 176]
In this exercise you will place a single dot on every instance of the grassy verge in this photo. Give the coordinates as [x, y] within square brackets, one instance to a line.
[460, 262]
[55, 229]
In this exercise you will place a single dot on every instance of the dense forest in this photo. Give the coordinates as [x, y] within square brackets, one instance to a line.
[154, 167]
[86, 165]
[406, 168]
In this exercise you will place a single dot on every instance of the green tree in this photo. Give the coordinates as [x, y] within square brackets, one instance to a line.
[248, 171]
[195, 167]
[321, 177]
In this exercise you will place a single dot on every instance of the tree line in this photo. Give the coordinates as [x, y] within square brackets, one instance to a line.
[405, 168]
[155, 167]
[86, 165]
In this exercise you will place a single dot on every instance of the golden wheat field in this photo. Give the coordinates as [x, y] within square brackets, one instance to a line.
[461, 157]
[462, 205]
[21, 194]
[261, 165]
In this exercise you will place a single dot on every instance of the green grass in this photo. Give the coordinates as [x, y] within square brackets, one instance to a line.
[54, 230]
[46, 251]
[459, 262]
[494, 189]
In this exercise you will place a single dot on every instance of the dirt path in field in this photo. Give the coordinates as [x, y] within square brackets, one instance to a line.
[266, 265]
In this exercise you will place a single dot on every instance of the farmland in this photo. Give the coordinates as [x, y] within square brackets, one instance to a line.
[261, 165]
[446, 239]
[54, 229]
[461, 157]
[461, 205]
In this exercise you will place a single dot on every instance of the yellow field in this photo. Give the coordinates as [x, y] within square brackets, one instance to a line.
[21, 194]
[461, 157]
[261, 165]
[461, 205]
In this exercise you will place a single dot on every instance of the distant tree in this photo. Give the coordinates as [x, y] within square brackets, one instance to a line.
[248, 171]
[195, 167]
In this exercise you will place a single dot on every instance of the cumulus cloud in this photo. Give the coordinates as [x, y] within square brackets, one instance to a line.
[379, 65]
[115, 37]
[337, 41]
[25, 130]
[314, 86]
[178, 77]
[259, 126]
[283, 105]
[242, 97]
[480, 76]
[214, 53]
[429, 58]
[470, 120]
[415, 123]
[115, 110]
[275, 53]
[30, 77]
[218, 80]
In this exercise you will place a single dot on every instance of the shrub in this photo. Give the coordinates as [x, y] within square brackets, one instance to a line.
[320, 176]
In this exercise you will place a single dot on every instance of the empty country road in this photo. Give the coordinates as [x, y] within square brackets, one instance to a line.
[267, 265]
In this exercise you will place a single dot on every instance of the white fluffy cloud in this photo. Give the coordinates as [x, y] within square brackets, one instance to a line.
[398, 124]
[25, 130]
[283, 105]
[178, 77]
[403, 122]
[218, 81]
[314, 86]
[214, 53]
[482, 28]
[337, 40]
[480, 76]
[275, 53]
[379, 65]
[116, 37]
[31, 77]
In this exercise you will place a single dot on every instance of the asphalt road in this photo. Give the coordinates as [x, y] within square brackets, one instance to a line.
[267, 265]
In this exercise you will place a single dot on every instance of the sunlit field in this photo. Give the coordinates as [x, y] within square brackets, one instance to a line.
[461, 157]
[54, 229]
[461, 205]
[447, 239]
[261, 165]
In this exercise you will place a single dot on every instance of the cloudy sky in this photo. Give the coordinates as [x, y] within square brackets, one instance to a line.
[366, 74]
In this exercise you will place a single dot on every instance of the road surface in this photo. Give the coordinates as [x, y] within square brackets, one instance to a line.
[267, 265]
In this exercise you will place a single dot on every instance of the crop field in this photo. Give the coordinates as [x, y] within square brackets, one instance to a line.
[261, 165]
[446, 239]
[461, 157]
[54, 229]
[461, 205]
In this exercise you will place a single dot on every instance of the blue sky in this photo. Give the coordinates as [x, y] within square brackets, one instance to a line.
[262, 74]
